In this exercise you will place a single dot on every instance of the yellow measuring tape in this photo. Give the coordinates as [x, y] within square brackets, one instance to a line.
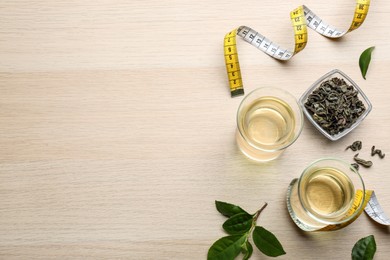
[301, 18]
[368, 203]
[359, 204]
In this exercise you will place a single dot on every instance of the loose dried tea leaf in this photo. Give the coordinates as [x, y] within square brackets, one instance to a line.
[357, 145]
[335, 105]
[362, 162]
[378, 152]
[355, 165]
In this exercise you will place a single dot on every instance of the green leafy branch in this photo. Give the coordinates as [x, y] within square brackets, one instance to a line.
[240, 225]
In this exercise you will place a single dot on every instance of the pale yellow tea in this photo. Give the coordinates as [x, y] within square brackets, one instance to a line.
[327, 193]
[268, 122]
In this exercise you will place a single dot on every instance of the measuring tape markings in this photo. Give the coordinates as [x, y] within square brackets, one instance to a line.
[232, 64]
[375, 211]
[301, 18]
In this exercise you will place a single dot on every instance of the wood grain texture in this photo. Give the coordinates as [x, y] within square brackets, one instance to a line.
[117, 126]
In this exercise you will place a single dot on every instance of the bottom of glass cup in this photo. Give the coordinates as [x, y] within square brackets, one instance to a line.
[255, 154]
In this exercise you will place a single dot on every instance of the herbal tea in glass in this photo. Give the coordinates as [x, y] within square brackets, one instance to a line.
[268, 120]
[325, 194]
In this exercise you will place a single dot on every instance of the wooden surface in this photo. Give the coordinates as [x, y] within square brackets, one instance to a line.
[117, 126]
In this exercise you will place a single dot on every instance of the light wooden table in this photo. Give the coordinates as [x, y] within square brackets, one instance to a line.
[117, 126]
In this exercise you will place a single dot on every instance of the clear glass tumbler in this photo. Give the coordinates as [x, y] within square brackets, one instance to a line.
[268, 121]
[329, 192]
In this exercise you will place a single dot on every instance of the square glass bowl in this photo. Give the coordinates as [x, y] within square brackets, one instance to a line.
[339, 74]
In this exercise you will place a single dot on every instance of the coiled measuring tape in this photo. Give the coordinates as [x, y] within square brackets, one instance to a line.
[301, 18]
[375, 211]
[369, 203]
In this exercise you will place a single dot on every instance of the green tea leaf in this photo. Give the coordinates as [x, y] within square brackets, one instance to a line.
[267, 243]
[226, 248]
[364, 60]
[364, 249]
[238, 224]
[247, 250]
[228, 209]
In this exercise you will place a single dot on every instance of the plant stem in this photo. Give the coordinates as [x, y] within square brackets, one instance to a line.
[254, 220]
[257, 214]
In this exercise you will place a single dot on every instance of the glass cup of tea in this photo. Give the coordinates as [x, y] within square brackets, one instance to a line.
[268, 121]
[330, 192]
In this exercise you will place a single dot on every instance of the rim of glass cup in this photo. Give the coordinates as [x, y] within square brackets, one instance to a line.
[328, 221]
[297, 134]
